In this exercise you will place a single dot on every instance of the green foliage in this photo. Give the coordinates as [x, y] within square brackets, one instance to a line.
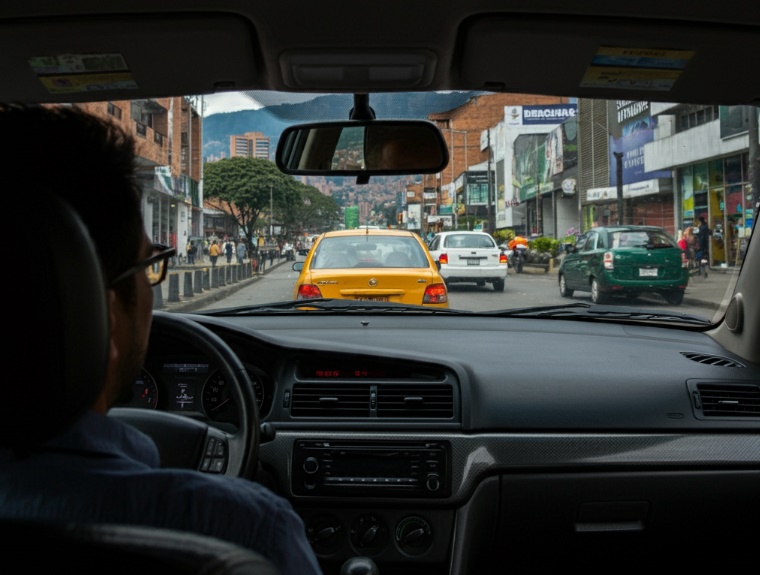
[545, 245]
[504, 235]
[314, 212]
[246, 187]
[569, 239]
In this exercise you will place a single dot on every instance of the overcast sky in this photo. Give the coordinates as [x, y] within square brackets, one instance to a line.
[228, 102]
[252, 100]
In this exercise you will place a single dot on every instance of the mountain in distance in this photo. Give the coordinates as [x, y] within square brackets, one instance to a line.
[271, 120]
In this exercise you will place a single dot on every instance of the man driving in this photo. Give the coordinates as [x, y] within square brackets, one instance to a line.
[98, 469]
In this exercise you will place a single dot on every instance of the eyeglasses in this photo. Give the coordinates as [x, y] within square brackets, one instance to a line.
[155, 266]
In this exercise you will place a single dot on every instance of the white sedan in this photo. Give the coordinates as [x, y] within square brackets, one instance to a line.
[470, 256]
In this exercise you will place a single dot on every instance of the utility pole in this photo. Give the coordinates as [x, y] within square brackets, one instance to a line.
[271, 214]
[489, 185]
[619, 179]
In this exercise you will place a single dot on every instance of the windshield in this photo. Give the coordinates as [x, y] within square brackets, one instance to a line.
[639, 204]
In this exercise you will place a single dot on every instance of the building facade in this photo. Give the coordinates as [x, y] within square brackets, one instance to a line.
[169, 134]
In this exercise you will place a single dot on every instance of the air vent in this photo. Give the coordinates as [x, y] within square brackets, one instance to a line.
[709, 359]
[327, 400]
[415, 401]
[728, 399]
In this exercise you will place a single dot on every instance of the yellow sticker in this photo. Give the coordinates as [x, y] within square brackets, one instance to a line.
[66, 83]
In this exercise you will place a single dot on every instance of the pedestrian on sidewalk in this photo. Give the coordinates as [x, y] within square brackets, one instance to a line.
[214, 252]
[703, 237]
[191, 250]
[229, 250]
[691, 245]
[241, 252]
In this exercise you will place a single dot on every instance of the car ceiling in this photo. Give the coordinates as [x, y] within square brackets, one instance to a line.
[518, 46]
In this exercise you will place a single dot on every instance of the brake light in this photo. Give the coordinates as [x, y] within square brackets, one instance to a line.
[608, 264]
[309, 291]
[502, 258]
[435, 293]
[443, 258]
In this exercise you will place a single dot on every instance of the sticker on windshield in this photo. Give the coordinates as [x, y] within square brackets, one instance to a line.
[636, 68]
[66, 73]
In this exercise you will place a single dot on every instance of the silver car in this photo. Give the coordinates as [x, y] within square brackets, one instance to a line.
[472, 257]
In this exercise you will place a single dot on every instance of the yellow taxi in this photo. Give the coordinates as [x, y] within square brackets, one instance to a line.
[383, 265]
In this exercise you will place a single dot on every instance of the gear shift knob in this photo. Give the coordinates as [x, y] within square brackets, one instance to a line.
[359, 566]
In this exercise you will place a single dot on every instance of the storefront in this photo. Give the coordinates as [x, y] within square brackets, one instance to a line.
[718, 190]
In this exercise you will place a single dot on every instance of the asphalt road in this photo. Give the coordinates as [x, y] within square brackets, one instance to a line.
[703, 296]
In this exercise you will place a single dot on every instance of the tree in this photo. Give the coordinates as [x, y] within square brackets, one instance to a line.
[244, 188]
[313, 211]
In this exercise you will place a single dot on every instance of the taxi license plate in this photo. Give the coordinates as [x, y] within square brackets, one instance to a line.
[647, 272]
[473, 261]
[371, 297]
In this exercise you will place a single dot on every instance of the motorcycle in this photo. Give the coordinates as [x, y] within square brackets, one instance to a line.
[517, 256]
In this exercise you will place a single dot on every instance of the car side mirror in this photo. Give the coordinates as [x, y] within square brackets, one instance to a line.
[570, 248]
[298, 266]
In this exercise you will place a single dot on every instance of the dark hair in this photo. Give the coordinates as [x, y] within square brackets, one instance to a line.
[88, 161]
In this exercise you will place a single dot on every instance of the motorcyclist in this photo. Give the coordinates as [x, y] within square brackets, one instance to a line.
[519, 249]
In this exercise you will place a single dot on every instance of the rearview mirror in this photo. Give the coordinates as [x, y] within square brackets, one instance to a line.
[366, 147]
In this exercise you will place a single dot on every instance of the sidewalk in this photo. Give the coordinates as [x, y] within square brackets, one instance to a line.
[700, 291]
[176, 286]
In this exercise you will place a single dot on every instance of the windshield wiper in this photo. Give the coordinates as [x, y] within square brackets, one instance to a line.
[582, 310]
[328, 305]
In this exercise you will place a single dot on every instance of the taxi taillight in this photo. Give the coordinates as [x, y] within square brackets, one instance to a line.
[443, 258]
[309, 291]
[435, 293]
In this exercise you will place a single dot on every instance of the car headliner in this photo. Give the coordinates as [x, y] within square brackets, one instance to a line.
[185, 47]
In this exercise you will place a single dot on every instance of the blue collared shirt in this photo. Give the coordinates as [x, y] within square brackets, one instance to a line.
[102, 470]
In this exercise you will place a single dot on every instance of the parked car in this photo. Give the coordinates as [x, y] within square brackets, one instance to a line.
[625, 260]
[528, 434]
[471, 257]
[371, 265]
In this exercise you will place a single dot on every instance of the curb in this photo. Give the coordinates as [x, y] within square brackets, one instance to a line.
[207, 295]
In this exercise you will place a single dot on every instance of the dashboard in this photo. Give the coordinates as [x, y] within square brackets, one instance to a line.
[431, 445]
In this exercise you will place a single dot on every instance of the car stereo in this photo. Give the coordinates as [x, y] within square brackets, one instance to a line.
[368, 468]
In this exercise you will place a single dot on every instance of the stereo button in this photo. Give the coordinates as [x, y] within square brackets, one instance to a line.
[311, 465]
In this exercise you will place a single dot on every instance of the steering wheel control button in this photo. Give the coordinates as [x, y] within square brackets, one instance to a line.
[215, 460]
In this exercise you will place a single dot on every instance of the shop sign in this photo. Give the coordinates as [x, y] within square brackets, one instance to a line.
[568, 187]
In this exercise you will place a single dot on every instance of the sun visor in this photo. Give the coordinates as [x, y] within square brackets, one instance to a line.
[371, 71]
[102, 58]
[605, 58]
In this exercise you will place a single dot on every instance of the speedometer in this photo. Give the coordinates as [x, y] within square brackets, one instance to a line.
[217, 397]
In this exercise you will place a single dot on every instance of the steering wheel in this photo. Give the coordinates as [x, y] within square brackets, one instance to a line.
[189, 443]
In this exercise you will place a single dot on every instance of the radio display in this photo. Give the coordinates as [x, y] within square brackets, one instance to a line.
[355, 465]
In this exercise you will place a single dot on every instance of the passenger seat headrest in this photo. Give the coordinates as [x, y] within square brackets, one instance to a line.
[59, 330]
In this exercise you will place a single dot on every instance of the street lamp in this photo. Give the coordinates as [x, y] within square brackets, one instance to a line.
[453, 178]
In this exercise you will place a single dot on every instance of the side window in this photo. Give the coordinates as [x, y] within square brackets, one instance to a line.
[434, 243]
[591, 242]
[581, 243]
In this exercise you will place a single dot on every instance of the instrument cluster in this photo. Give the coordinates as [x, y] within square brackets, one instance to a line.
[193, 386]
